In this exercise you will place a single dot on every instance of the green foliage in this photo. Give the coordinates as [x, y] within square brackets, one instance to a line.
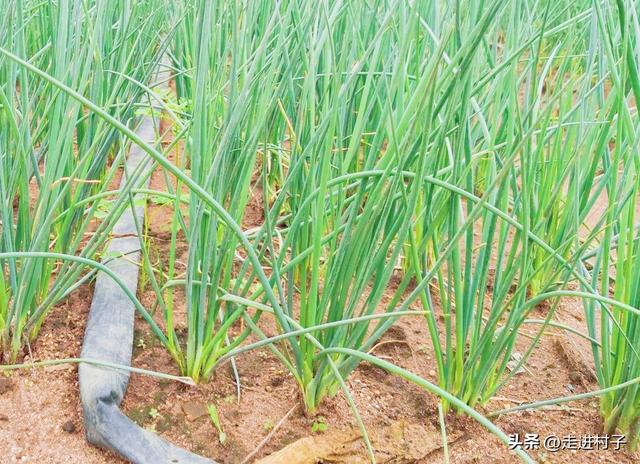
[461, 161]
[319, 425]
[54, 156]
[215, 420]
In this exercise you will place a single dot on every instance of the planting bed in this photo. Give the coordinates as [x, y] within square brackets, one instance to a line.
[378, 231]
[40, 406]
[40, 403]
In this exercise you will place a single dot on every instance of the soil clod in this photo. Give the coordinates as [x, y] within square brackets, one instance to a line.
[6, 385]
[194, 410]
[69, 427]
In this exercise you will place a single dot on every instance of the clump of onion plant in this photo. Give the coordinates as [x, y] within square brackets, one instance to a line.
[54, 158]
[488, 256]
[616, 264]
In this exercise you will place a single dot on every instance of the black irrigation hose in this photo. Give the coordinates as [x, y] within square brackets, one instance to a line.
[109, 337]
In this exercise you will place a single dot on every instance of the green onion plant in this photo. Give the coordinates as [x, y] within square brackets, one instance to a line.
[54, 157]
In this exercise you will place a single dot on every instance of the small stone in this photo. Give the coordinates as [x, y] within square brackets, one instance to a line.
[194, 410]
[575, 377]
[5, 385]
[69, 427]
[4, 418]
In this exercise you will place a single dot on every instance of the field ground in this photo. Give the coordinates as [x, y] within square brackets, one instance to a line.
[41, 416]
[37, 405]
[326, 158]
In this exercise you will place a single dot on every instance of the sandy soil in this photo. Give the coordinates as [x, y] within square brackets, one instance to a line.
[40, 419]
[40, 414]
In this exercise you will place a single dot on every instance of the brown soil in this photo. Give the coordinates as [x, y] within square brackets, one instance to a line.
[36, 405]
[40, 414]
